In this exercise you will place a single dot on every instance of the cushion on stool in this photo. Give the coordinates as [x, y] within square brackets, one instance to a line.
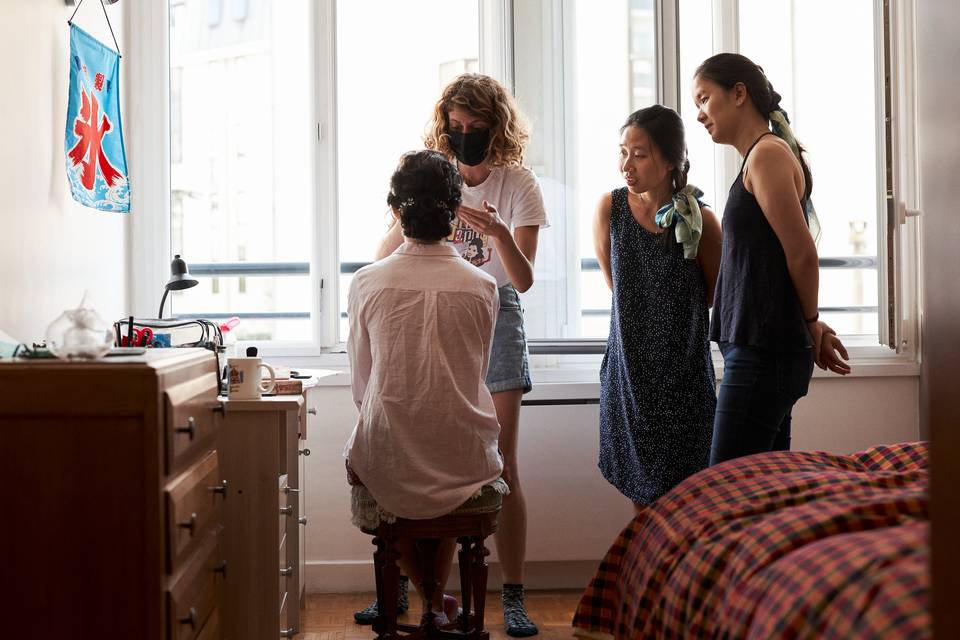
[367, 514]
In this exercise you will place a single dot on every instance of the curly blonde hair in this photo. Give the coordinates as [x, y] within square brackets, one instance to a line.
[484, 97]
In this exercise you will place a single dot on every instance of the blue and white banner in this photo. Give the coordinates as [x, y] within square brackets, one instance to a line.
[96, 160]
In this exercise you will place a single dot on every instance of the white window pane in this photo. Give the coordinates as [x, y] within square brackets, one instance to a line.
[390, 73]
[280, 300]
[696, 45]
[828, 90]
[241, 188]
[609, 71]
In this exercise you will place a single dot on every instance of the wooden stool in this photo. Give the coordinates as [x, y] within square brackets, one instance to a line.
[470, 530]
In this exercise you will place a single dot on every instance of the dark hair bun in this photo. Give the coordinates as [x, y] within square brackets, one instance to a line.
[774, 99]
[425, 190]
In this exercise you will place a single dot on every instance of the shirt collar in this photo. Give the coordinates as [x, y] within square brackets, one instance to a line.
[419, 249]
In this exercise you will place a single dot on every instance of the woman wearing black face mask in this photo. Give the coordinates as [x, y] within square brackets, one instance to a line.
[477, 123]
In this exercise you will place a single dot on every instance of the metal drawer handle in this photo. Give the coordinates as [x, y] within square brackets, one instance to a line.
[220, 488]
[190, 619]
[288, 633]
[221, 569]
[312, 411]
[287, 511]
[290, 490]
[303, 520]
[286, 572]
[190, 429]
[304, 452]
[190, 524]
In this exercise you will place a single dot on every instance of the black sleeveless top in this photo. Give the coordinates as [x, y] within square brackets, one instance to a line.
[755, 302]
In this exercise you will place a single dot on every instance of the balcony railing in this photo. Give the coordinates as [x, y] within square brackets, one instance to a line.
[254, 269]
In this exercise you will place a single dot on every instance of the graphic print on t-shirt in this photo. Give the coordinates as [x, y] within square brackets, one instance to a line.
[474, 247]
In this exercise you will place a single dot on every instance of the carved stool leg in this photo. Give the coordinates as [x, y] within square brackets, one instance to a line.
[427, 548]
[387, 575]
[479, 570]
[466, 587]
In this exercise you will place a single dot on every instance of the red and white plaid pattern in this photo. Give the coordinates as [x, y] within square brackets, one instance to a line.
[777, 545]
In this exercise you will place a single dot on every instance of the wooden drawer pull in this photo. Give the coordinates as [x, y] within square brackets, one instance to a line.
[190, 619]
[190, 429]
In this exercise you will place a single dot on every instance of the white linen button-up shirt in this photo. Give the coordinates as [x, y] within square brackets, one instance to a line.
[421, 328]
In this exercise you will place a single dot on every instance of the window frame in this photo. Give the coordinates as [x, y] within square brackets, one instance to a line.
[147, 98]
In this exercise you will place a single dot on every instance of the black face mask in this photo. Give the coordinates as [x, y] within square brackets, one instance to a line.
[470, 148]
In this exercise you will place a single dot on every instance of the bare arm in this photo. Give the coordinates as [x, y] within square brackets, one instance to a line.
[774, 178]
[601, 236]
[390, 241]
[708, 252]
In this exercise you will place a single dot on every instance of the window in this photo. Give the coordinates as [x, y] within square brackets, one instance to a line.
[287, 120]
[389, 74]
[240, 180]
[830, 93]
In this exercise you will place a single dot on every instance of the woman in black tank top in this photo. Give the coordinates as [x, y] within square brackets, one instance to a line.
[765, 316]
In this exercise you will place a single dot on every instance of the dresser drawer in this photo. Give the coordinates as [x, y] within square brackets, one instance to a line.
[190, 418]
[193, 502]
[211, 630]
[286, 507]
[193, 596]
[283, 569]
[286, 631]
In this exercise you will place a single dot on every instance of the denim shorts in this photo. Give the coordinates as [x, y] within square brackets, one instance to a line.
[509, 360]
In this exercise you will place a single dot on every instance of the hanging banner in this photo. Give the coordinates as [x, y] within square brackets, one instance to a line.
[96, 160]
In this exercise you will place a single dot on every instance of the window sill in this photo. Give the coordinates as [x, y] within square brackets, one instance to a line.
[559, 377]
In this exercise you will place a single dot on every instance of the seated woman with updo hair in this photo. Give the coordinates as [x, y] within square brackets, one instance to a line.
[421, 326]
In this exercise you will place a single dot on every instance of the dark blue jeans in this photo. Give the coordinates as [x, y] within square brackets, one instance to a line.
[757, 394]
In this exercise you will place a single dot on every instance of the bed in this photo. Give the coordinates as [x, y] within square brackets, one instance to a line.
[776, 545]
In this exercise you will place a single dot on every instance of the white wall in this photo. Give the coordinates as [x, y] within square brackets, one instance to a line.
[574, 515]
[51, 249]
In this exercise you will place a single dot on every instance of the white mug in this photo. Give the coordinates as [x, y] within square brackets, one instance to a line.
[245, 381]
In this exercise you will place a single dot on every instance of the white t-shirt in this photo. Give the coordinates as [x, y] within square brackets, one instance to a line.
[515, 192]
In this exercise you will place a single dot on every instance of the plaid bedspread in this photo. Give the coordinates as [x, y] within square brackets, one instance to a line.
[777, 545]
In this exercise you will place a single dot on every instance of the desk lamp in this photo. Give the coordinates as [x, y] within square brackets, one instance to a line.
[180, 279]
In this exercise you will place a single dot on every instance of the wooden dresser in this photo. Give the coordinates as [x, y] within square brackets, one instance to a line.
[112, 491]
[262, 458]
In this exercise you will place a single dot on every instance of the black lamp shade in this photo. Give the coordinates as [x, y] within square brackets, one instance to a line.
[180, 277]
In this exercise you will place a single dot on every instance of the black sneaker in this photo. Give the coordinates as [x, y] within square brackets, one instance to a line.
[368, 615]
[515, 617]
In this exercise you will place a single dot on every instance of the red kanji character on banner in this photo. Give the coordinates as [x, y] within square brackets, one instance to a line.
[91, 133]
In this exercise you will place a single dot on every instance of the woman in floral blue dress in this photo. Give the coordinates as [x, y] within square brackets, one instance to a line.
[659, 249]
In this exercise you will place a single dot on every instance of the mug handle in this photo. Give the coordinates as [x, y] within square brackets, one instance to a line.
[273, 380]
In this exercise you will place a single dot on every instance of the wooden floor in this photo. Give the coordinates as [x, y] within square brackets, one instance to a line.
[330, 616]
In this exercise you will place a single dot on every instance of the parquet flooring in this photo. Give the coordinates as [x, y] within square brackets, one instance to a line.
[330, 616]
